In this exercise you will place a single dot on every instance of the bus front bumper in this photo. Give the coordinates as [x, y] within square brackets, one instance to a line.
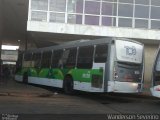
[124, 87]
[155, 91]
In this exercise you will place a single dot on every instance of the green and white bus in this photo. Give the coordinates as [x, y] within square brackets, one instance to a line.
[155, 89]
[102, 65]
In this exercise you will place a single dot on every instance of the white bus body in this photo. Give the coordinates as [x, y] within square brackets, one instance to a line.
[117, 65]
[155, 89]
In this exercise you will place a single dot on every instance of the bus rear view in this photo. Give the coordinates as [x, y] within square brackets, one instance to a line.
[155, 89]
[128, 67]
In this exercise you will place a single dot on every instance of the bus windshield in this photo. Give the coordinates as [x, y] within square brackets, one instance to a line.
[156, 72]
[158, 63]
[127, 51]
[128, 72]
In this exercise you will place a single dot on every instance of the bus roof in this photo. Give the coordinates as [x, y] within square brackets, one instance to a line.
[82, 42]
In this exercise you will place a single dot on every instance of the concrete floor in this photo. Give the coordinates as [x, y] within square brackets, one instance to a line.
[18, 98]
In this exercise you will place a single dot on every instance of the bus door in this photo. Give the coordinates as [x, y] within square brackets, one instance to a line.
[19, 62]
[155, 90]
[84, 68]
[90, 67]
[100, 61]
[128, 69]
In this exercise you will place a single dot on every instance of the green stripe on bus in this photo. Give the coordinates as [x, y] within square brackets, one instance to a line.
[82, 75]
[85, 75]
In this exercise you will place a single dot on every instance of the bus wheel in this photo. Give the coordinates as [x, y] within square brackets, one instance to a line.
[68, 85]
[25, 78]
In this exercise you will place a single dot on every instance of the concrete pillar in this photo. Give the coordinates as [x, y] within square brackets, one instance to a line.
[1, 34]
[150, 53]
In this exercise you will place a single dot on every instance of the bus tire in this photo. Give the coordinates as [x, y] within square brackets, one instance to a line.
[68, 85]
[25, 78]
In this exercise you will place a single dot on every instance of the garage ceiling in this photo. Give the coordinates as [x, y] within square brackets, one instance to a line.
[14, 20]
[15, 13]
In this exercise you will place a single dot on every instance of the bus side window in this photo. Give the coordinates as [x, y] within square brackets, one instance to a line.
[101, 54]
[36, 60]
[85, 57]
[46, 59]
[27, 60]
[57, 55]
[69, 58]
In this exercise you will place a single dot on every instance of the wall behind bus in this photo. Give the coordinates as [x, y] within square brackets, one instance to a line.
[1, 29]
[150, 53]
[1, 23]
[0, 19]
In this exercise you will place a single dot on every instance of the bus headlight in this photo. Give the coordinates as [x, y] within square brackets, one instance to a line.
[115, 74]
[157, 88]
[134, 84]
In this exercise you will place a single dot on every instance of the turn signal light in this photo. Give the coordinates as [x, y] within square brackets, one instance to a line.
[157, 89]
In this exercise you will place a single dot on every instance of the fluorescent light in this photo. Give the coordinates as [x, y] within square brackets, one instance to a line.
[9, 47]
[11, 63]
